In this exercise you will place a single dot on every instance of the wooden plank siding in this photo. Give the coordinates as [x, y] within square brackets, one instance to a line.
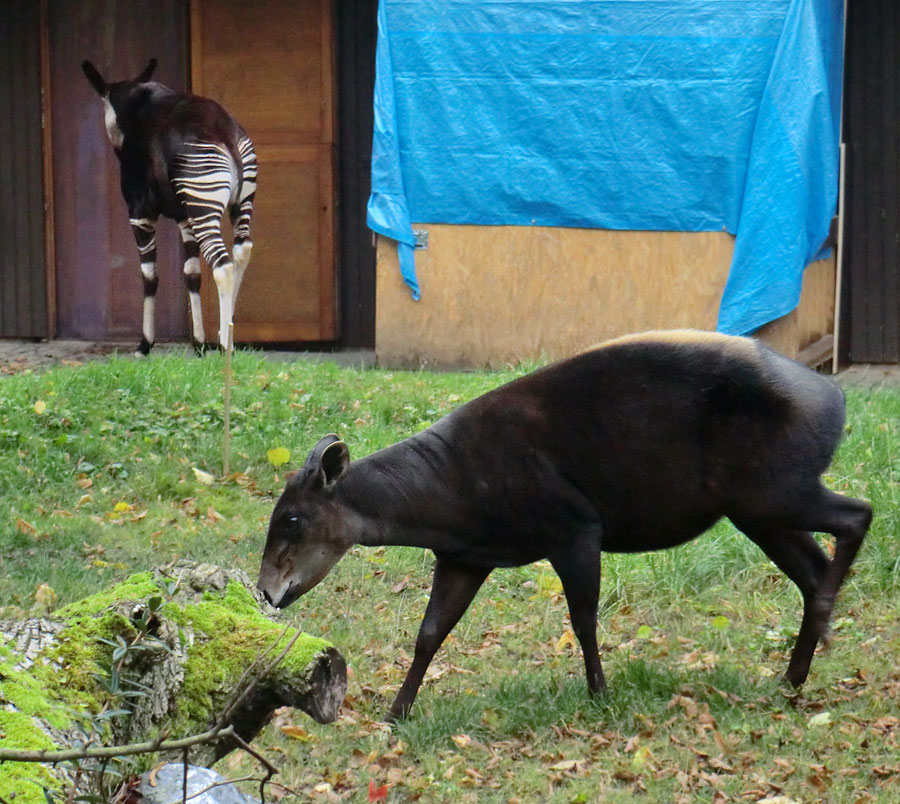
[872, 135]
[23, 287]
[356, 34]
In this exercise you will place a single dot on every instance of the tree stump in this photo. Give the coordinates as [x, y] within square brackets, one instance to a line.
[170, 646]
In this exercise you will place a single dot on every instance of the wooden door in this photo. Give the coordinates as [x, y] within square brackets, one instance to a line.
[270, 63]
[99, 289]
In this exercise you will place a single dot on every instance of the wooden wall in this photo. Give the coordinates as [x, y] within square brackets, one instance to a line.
[872, 230]
[493, 295]
[23, 285]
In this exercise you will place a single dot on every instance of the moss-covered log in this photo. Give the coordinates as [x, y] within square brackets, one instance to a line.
[171, 646]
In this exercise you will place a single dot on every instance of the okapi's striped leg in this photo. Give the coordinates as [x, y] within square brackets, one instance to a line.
[144, 230]
[206, 180]
[192, 280]
[241, 213]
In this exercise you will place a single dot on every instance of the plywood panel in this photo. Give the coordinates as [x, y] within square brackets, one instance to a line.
[270, 64]
[496, 295]
[814, 317]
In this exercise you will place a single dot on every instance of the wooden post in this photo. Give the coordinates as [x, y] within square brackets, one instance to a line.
[226, 442]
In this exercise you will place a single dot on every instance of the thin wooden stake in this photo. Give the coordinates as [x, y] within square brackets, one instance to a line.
[226, 441]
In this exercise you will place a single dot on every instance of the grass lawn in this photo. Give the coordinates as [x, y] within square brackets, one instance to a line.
[113, 467]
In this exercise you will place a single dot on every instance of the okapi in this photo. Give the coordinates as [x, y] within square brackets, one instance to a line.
[181, 157]
[642, 443]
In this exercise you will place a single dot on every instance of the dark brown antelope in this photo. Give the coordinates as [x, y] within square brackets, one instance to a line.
[639, 444]
[185, 158]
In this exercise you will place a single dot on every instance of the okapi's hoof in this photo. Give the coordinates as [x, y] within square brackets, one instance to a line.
[203, 347]
[143, 348]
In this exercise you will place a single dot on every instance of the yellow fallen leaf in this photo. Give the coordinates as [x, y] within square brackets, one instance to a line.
[204, 477]
[566, 764]
[567, 639]
[297, 733]
[120, 507]
[278, 456]
[462, 740]
[40, 406]
[641, 757]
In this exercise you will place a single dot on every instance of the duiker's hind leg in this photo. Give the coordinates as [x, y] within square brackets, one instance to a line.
[192, 281]
[822, 511]
[797, 555]
[144, 231]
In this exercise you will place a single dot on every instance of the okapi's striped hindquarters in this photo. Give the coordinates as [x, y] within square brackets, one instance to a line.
[183, 157]
[208, 182]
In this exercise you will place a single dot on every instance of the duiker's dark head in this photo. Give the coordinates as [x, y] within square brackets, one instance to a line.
[120, 99]
[307, 531]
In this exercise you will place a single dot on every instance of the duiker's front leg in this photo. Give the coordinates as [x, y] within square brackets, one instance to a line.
[579, 570]
[144, 231]
[452, 589]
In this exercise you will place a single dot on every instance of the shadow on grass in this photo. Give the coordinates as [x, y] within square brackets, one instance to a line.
[522, 706]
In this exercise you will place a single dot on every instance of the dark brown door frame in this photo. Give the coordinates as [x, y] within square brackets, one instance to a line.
[355, 26]
[870, 290]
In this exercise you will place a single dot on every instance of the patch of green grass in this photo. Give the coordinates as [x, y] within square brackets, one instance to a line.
[101, 484]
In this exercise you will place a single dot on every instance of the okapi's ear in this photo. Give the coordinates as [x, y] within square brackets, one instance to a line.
[94, 77]
[148, 71]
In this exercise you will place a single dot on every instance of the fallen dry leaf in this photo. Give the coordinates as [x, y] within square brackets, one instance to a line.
[377, 793]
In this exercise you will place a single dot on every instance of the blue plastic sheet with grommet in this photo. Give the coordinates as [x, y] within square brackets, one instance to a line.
[684, 115]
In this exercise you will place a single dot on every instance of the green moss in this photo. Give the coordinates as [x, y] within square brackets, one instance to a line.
[24, 780]
[230, 633]
[135, 587]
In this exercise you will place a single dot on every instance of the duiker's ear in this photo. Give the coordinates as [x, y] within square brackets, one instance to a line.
[335, 460]
[326, 463]
[94, 77]
[148, 71]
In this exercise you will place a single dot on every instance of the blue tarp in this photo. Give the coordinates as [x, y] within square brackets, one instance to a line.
[685, 115]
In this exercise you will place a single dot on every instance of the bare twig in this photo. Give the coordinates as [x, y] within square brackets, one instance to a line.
[149, 747]
[223, 783]
[271, 770]
[184, 773]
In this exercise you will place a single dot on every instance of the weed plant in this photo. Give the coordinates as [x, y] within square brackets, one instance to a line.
[113, 467]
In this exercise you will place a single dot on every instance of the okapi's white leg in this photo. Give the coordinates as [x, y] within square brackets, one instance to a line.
[192, 280]
[144, 230]
[241, 213]
[205, 184]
